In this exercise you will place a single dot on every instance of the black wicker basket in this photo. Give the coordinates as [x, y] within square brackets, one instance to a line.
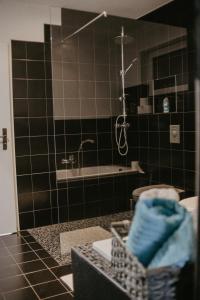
[141, 283]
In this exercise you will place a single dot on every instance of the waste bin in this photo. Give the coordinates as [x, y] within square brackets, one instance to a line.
[137, 192]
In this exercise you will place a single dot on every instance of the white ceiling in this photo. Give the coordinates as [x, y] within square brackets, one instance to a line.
[124, 8]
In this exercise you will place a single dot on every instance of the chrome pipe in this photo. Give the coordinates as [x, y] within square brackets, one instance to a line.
[103, 14]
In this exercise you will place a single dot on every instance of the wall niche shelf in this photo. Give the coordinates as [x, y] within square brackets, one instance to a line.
[166, 87]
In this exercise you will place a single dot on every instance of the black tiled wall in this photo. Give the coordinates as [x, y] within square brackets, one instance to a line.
[168, 163]
[172, 163]
[34, 132]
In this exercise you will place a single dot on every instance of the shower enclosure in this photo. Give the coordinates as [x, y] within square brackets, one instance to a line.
[98, 93]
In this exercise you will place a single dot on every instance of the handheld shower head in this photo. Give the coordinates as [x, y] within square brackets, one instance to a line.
[130, 66]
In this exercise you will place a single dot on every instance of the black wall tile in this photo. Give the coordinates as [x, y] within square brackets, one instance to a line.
[189, 141]
[38, 126]
[75, 195]
[20, 88]
[164, 122]
[63, 213]
[23, 165]
[24, 184]
[21, 127]
[189, 121]
[18, 50]
[25, 202]
[76, 212]
[177, 159]
[37, 108]
[22, 146]
[47, 33]
[39, 145]
[26, 220]
[19, 69]
[35, 51]
[41, 200]
[20, 108]
[43, 217]
[36, 89]
[39, 163]
[41, 182]
[35, 69]
[189, 159]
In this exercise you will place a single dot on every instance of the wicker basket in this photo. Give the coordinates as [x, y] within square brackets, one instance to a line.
[139, 282]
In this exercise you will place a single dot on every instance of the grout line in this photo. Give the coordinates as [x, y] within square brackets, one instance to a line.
[56, 295]
[23, 288]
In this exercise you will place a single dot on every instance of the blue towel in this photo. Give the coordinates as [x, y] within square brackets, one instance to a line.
[162, 232]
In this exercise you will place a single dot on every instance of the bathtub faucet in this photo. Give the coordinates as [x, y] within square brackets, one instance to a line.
[81, 148]
[70, 161]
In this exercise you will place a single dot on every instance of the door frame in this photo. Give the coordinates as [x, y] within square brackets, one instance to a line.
[11, 142]
[14, 170]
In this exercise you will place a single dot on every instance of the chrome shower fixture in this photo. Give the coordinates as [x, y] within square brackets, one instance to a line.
[129, 67]
[121, 124]
[103, 14]
[81, 147]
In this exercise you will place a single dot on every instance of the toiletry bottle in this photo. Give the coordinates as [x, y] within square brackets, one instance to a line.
[166, 105]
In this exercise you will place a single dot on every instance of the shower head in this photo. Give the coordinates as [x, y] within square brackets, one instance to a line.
[126, 39]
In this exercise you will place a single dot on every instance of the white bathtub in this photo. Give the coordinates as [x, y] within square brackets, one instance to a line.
[92, 172]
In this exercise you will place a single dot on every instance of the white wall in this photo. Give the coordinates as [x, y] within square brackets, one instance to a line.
[23, 21]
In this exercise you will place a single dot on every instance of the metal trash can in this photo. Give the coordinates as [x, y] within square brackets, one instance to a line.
[137, 192]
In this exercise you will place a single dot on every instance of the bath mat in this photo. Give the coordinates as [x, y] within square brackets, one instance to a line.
[81, 236]
[49, 236]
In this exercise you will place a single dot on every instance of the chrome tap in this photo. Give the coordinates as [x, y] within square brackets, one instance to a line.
[81, 147]
[70, 161]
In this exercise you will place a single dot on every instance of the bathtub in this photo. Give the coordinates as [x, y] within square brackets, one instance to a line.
[93, 172]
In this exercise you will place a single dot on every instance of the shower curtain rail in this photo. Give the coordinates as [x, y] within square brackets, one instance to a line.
[103, 14]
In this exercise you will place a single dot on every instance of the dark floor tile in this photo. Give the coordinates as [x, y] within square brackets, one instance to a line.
[25, 257]
[50, 262]
[62, 270]
[14, 241]
[14, 283]
[29, 239]
[19, 249]
[40, 277]
[4, 252]
[49, 289]
[8, 271]
[24, 233]
[35, 246]
[22, 294]
[32, 266]
[6, 261]
[42, 253]
[62, 297]
[2, 245]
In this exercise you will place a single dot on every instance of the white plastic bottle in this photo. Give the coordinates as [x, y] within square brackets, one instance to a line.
[166, 105]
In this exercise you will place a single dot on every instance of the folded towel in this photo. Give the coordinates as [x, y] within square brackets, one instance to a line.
[162, 231]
